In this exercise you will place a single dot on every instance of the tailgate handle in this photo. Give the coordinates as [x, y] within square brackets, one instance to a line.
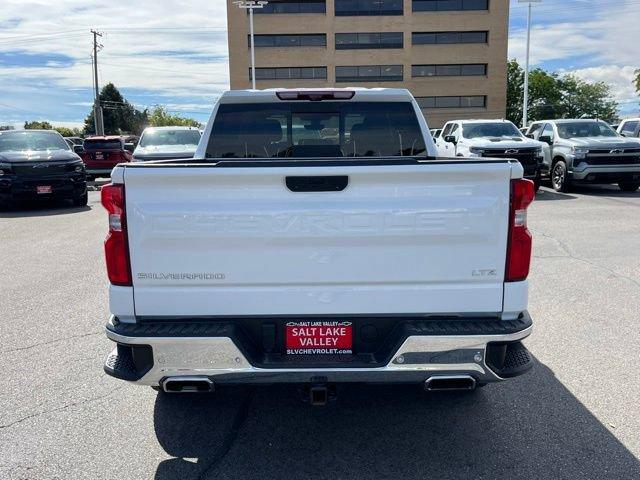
[332, 183]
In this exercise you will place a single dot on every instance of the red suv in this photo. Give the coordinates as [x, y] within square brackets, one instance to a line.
[101, 154]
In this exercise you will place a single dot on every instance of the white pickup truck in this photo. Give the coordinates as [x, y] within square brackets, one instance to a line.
[315, 238]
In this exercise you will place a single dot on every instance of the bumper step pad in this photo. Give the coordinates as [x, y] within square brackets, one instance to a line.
[129, 362]
[509, 360]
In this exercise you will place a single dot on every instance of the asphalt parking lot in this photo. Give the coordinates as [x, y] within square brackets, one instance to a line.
[576, 415]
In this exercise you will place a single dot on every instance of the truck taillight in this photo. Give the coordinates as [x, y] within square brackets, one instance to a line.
[116, 246]
[520, 240]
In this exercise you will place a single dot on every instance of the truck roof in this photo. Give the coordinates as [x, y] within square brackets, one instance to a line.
[168, 127]
[104, 137]
[570, 120]
[483, 120]
[361, 94]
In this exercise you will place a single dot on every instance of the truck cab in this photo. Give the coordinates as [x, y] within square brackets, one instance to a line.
[629, 128]
[492, 138]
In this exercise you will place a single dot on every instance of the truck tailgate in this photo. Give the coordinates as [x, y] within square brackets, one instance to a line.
[399, 239]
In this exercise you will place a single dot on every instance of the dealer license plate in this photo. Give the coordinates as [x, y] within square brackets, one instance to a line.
[40, 189]
[99, 156]
[319, 338]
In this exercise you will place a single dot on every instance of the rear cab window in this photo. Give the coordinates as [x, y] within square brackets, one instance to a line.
[315, 129]
[102, 144]
[630, 127]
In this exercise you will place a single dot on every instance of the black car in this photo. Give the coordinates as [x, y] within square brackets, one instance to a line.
[39, 164]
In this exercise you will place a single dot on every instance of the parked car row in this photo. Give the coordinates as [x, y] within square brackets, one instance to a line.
[566, 152]
[43, 164]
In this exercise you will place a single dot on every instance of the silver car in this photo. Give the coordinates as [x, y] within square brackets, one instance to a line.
[160, 143]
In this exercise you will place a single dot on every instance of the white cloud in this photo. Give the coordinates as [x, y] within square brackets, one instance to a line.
[595, 40]
[163, 48]
[620, 79]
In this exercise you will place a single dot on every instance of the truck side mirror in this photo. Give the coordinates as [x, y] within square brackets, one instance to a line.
[129, 147]
[530, 135]
[546, 139]
[79, 149]
[450, 139]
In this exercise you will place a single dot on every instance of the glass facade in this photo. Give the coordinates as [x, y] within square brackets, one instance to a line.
[449, 5]
[440, 38]
[472, 101]
[293, 6]
[347, 8]
[370, 73]
[285, 73]
[453, 70]
[302, 40]
[354, 41]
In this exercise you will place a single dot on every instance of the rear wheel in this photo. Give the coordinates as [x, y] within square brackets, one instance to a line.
[629, 186]
[559, 178]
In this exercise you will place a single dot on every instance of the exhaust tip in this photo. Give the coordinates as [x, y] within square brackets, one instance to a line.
[187, 385]
[450, 383]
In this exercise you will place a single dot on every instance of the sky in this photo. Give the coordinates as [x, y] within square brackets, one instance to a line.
[174, 53]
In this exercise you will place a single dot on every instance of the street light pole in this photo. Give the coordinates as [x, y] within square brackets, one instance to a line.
[525, 104]
[250, 5]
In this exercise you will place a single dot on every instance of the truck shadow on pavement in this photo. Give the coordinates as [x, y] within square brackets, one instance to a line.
[38, 209]
[531, 427]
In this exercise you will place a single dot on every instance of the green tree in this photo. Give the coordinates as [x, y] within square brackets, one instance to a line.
[159, 117]
[120, 117]
[515, 92]
[544, 96]
[557, 96]
[68, 132]
[584, 99]
[37, 125]
[637, 81]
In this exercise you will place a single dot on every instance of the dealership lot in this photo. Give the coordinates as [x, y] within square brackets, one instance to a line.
[574, 416]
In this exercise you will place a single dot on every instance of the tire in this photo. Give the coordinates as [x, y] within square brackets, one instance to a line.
[81, 201]
[559, 177]
[629, 186]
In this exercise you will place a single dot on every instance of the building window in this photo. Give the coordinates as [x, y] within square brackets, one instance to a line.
[475, 101]
[289, 73]
[293, 6]
[354, 41]
[449, 5]
[303, 40]
[369, 73]
[432, 38]
[346, 8]
[461, 70]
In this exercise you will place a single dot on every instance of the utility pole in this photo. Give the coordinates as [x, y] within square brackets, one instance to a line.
[97, 109]
[250, 5]
[525, 103]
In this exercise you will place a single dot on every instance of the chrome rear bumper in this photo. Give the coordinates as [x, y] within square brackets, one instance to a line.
[219, 359]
